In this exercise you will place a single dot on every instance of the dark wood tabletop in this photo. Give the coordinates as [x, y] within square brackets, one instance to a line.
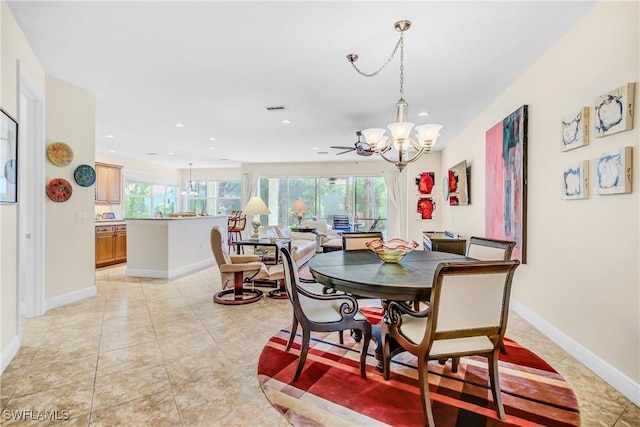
[363, 273]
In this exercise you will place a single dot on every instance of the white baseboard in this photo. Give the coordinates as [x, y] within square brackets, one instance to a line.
[9, 353]
[615, 378]
[69, 298]
[169, 274]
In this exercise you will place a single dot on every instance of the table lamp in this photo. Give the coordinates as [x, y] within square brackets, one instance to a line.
[299, 207]
[256, 207]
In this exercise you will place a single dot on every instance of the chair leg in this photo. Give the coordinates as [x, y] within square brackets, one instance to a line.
[366, 330]
[423, 379]
[306, 336]
[503, 349]
[494, 379]
[292, 336]
[454, 364]
[386, 355]
[341, 337]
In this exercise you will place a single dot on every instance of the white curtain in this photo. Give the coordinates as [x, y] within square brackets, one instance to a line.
[249, 186]
[396, 226]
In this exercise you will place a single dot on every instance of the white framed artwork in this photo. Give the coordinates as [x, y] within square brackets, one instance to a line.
[613, 111]
[575, 129]
[575, 181]
[612, 172]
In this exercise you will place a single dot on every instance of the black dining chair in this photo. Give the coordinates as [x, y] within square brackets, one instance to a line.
[321, 313]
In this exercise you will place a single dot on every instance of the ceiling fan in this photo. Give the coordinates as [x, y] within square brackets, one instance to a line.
[360, 147]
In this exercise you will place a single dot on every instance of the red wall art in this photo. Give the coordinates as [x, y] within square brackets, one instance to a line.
[426, 207]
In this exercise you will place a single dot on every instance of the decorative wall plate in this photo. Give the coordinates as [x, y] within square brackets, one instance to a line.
[60, 154]
[84, 175]
[59, 190]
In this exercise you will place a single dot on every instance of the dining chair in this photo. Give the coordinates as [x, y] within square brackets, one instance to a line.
[321, 313]
[466, 316]
[235, 270]
[357, 240]
[486, 249]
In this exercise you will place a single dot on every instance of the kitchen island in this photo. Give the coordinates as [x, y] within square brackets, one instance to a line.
[168, 247]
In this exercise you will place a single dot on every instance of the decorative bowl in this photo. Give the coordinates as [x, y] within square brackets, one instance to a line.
[393, 250]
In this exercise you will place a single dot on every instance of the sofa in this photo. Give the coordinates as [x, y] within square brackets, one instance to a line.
[303, 245]
[324, 232]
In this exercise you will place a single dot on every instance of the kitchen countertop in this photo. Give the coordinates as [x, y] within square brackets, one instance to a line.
[109, 222]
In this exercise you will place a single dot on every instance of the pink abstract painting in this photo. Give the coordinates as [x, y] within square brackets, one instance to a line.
[505, 194]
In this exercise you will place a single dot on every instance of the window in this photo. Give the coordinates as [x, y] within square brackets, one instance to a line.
[142, 200]
[363, 199]
[216, 197]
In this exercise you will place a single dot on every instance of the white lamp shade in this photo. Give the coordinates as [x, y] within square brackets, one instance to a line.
[428, 134]
[400, 130]
[299, 206]
[375, 137]
[256, 206]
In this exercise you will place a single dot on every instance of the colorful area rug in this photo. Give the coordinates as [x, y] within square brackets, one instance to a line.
[330, 391]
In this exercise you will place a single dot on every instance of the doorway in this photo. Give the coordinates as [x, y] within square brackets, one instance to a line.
[31, 143]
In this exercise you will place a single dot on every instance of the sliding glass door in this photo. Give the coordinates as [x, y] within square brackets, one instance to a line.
[362, 199]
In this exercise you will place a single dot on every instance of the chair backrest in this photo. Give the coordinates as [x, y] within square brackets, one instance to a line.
[357, 240]
[291, 281]
[217, 245]
[470, 299]
[341, 223]
[485, 249]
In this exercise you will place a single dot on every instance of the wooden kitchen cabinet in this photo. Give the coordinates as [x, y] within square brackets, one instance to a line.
[108, 184]
[111, 244]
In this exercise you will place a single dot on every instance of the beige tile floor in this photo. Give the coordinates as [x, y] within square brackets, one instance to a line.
[156, 352]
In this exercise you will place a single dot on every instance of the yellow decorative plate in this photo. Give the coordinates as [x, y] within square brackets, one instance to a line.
[60, 154]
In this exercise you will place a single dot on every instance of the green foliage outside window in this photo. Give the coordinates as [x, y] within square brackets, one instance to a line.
[143, 200]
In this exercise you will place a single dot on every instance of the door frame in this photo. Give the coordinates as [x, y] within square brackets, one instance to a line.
[31, 215]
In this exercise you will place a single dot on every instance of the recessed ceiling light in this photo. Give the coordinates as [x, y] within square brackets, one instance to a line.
[212, 139]
[285, 122]
[170, 153]
[212, 148]
[423, 114]
[109, 136]
[315, 148]
[112, 151]
[179, 125]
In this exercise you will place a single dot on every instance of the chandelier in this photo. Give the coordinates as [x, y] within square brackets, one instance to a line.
[401, 140]
[190, 189]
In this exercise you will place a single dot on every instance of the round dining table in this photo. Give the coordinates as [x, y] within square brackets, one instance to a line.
[363, 273]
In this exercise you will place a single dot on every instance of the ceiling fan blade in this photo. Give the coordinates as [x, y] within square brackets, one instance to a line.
[340, 147]
[347, 151]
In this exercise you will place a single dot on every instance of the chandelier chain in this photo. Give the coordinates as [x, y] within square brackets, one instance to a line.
[399, 45]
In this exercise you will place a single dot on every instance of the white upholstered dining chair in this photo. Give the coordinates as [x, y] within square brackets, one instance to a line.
[466, 316]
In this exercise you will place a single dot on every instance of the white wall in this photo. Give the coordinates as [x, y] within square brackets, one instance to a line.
[14, 48]
[70, 232]
[581, 279]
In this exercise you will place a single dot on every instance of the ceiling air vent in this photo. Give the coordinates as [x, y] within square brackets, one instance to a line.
[276, 108]
[322, 152]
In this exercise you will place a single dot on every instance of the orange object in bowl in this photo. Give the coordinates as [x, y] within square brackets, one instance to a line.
[393, 250]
